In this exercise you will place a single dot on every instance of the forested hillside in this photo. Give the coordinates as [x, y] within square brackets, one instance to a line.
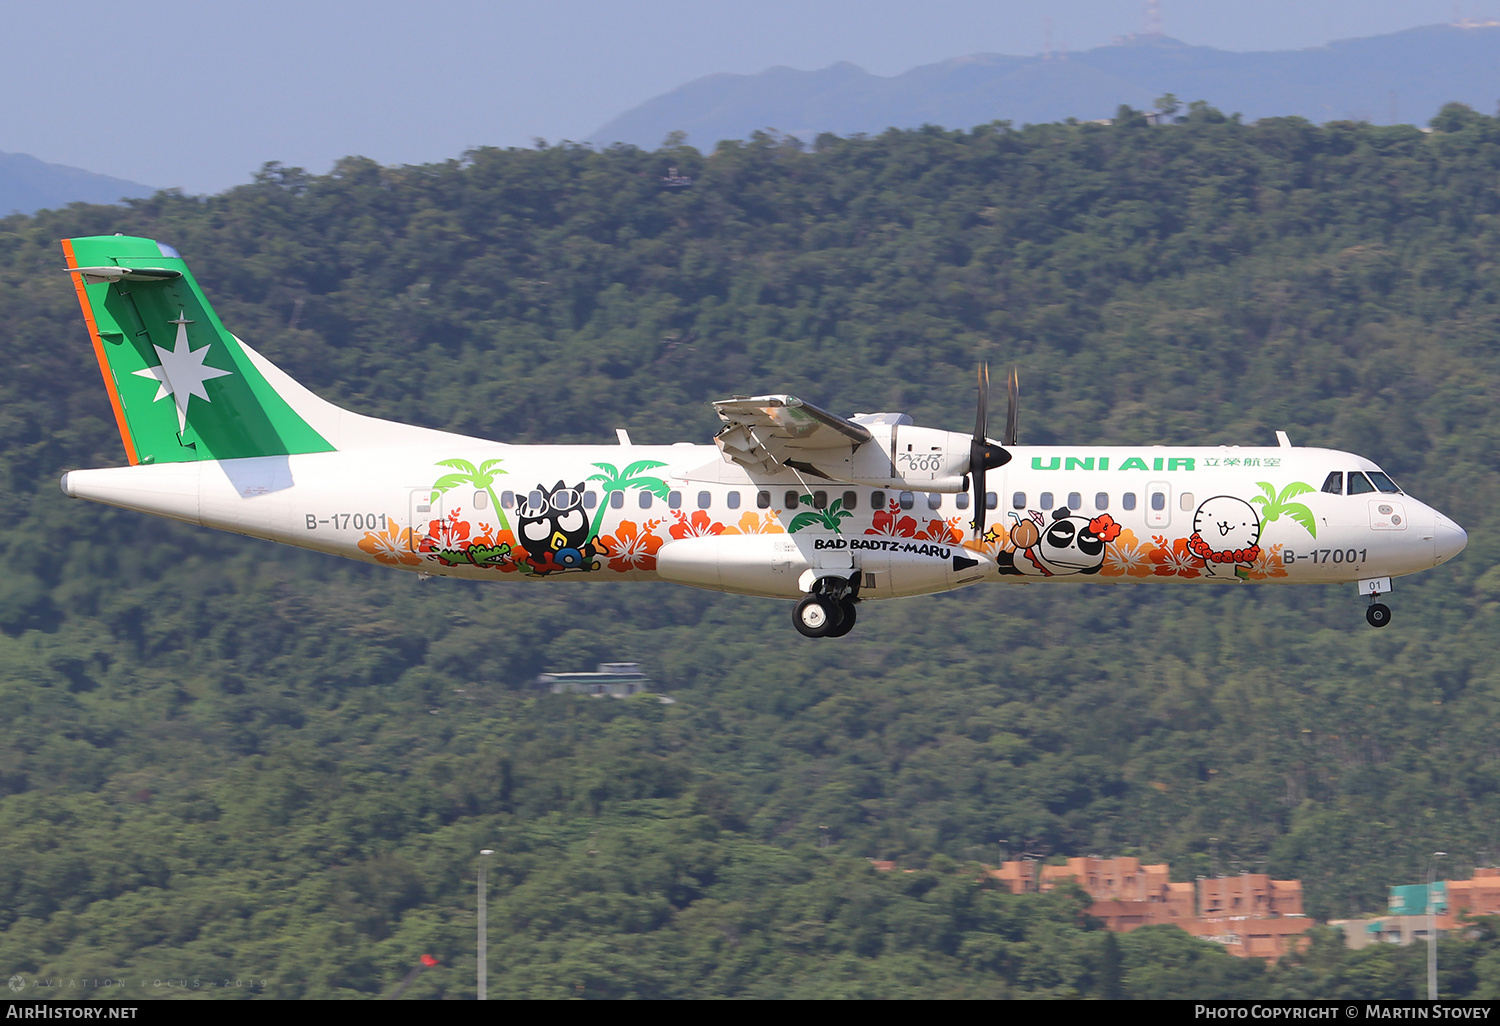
[221, 759]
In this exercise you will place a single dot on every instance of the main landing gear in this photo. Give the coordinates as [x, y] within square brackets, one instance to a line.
[829, 611]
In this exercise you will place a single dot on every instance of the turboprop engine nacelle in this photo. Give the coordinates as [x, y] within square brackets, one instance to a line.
[900, 454]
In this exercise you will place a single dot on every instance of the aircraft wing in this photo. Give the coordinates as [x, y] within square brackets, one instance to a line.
[767, 433]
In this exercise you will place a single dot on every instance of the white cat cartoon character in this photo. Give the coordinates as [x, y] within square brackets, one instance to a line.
[1226, 536]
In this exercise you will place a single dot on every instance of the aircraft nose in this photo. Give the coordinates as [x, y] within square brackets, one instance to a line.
[1448, 539]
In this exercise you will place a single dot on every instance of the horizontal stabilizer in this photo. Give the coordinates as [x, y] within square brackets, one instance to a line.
[113, 275]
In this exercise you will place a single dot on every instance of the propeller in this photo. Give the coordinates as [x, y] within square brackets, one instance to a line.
[1013, 410]
[983, 454]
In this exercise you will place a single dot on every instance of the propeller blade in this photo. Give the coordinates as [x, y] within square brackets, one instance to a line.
[1013, 409]
[984, 455]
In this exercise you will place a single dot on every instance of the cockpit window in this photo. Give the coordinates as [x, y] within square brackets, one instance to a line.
[1359, 484]
[1334, 484]
[1384, 483]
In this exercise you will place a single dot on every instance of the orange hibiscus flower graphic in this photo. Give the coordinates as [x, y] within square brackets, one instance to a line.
[1267, 564]
[630, 548]
[946, 531]
[758, 523]
[699, 526]
[1127, 555]
[393, 545]
[1174, 559]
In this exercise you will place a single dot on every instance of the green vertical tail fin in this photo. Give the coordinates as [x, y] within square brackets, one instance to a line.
[182, 387]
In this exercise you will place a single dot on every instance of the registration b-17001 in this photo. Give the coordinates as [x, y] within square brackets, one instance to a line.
[791, 501]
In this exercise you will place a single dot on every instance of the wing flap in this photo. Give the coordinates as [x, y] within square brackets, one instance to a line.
[767, 433]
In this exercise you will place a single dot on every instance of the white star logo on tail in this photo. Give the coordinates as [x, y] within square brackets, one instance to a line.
[182, 372]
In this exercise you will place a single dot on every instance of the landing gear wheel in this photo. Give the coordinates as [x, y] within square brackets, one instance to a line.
[1378, 615]
[848, 610]
[815, 616]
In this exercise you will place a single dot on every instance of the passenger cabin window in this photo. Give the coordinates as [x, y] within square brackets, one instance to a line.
[992, 501]
[1075, 501]
[1359, 484]
[1333, 484]
[481, 500]
[1185, 500]
[1158, 501]
[616, 499]
[1018, 500]
[851, 500]
[590, 500]
[762, 500]
[704, 499]
[645, 499]
[820, 500]
[961, 500]
[674, 500]
[732, 500]
[507, 499]
[1046, 502]
[1101, 501]
[1385, 484]
[877, 500]
[908, 500]
[934, 500]
[1127, 501]
[791, 500]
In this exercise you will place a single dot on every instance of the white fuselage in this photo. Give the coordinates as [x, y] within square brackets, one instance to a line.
[1133, 514]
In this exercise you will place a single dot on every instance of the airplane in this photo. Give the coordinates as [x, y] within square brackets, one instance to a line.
[791, 501]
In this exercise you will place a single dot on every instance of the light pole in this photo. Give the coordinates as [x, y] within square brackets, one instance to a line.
[1432, 927]
[484, 928]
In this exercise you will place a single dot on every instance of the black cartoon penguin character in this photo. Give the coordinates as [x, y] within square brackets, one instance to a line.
[1068, 545]
[554, 529]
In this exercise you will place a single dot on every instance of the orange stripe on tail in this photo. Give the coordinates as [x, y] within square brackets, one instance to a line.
[109, 378]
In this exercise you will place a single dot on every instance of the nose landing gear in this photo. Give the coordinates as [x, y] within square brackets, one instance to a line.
[1378, 614]
[829, 610]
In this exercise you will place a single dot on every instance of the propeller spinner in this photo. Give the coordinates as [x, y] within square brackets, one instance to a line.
[983, 454]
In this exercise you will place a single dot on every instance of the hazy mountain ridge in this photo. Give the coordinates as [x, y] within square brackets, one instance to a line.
[1354, 79]
[28, 185]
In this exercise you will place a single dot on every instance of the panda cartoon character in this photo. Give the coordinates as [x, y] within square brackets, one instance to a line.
[1226, 536]
[554, 528]
[1067, 545]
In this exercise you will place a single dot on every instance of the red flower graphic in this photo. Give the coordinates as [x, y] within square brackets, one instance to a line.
[450, 533]
[1105, 527]
[886, 523]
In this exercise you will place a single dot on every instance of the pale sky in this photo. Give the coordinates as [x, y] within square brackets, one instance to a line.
[197, 94]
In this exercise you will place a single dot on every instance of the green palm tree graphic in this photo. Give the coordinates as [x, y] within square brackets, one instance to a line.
[482, 477]
[828, 518]
[1274, 505]
[613, 480]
